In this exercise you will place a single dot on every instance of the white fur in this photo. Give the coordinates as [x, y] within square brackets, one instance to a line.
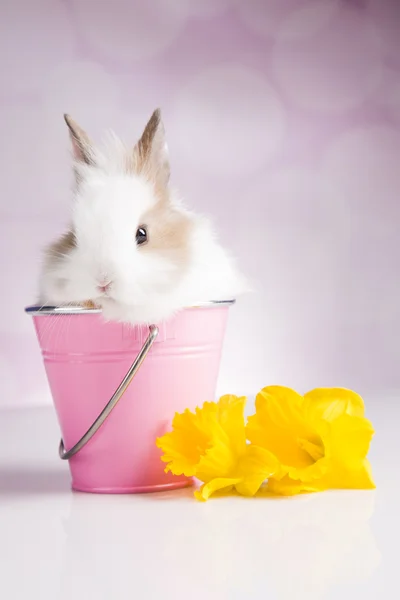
[147, 287]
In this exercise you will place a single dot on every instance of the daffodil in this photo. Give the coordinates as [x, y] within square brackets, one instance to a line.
[320, 440]
[210, 444]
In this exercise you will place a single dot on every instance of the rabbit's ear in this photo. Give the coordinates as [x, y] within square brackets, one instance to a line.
[151, 154]
[81, 144]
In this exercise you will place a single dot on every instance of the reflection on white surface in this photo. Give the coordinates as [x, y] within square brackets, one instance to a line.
[298, 548]
[56, 544]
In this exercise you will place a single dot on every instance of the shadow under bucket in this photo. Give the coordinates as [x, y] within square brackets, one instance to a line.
[117, 387]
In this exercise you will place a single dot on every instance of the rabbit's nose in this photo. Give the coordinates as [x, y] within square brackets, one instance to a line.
[104, 286]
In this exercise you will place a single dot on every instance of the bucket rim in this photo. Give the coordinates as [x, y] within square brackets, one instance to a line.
[37, 310]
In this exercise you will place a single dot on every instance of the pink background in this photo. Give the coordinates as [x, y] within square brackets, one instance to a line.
[283, 122]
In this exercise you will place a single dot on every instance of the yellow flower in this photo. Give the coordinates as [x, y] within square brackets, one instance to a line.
[321, 440]
[210, 444]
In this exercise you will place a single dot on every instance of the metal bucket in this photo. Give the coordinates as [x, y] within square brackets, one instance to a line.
[117, 387]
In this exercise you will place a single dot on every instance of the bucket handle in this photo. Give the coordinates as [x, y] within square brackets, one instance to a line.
[95, 426]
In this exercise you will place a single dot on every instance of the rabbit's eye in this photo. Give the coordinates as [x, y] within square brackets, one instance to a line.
[141, 236]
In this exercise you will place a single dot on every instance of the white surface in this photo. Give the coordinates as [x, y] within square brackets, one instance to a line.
[55, 544]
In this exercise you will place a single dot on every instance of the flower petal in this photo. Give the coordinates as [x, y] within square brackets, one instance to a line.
[278, 425]
[255, 467]
[330, 403]
[217, 461]
[289, 487]
[231, 418]
[350, 439]
[357, 476]
[189, 439]
[215, 485]
[283, 394]
[207, 443]
[228, 441]
[310, 474]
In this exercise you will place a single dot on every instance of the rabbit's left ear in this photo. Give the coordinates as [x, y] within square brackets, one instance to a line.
[151, 154]
[81, 144]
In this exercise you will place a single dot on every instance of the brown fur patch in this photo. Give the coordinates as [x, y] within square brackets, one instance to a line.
[61, 247]
[148, 157]
[144, 146]
[88, 304]
[168, 233]
[81, 142]
[132, 163]
[138, 162]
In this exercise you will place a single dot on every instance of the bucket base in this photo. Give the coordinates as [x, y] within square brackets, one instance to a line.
[164, 487]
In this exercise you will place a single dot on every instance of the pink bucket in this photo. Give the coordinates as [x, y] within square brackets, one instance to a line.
[116, 389]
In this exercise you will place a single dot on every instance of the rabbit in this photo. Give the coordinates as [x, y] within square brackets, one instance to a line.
[133, 249]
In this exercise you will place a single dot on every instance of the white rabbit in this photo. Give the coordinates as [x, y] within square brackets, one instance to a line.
[133, 249]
